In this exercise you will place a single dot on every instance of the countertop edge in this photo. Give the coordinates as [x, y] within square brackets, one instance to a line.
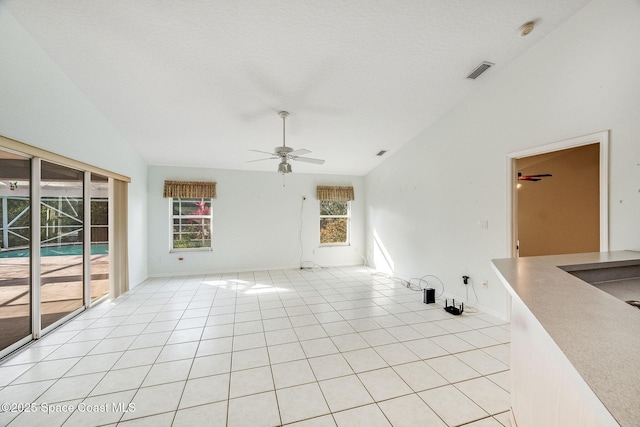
[584, 322]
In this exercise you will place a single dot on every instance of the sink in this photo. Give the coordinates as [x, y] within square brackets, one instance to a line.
[620, 279]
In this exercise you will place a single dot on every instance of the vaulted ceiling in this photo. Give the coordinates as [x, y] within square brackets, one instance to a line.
[200, 82]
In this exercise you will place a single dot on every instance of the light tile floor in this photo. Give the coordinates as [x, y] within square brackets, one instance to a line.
[337, 346]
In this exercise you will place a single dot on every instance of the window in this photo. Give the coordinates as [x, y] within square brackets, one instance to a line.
[191, 223]
[334, 222]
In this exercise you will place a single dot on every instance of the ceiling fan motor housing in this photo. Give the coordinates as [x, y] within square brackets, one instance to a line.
[282, 151]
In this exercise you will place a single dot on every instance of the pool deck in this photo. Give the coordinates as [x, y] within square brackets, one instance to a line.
[61, 291]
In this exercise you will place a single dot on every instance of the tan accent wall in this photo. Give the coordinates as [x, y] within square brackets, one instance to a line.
[560, 214]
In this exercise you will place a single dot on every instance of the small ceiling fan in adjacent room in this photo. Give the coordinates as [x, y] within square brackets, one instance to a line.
[537, 177]
[284, 153]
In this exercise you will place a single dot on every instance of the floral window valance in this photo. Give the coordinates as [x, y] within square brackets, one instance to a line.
[340, 194]
[189, 189]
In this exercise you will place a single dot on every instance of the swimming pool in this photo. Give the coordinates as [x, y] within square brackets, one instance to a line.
[65, 250]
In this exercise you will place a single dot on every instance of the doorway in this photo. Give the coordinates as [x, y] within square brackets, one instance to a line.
[559, 197]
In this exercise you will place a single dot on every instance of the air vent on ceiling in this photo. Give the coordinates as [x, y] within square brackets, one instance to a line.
[480, 69]
[381, 153]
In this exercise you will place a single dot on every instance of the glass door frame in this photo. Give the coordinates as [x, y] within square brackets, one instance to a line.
[36, 164]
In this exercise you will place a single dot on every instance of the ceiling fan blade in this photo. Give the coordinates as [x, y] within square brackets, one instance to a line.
[259, 160]
[264, 152]
[300, 152]
[308, 160]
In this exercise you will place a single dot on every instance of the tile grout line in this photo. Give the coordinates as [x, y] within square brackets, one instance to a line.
[355, 291]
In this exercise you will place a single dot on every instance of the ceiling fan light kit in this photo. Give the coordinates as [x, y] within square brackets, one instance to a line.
[285, 153]
[284, 168]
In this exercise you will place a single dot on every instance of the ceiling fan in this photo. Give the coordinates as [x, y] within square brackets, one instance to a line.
[285, 153]
[537, 177]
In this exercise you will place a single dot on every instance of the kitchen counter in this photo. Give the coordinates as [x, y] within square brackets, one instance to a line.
[597, 333]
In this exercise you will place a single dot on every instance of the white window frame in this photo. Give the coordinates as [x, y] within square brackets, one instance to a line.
[172, 218]
[347, 216]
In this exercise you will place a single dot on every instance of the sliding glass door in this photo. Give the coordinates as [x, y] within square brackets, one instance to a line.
[99, 236]
[15, 250]
[61, 242]
[42, 273]
[57, 217]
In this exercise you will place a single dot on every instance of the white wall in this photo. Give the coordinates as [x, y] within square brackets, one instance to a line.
[256, 222]
[41, 107]
[424, 204]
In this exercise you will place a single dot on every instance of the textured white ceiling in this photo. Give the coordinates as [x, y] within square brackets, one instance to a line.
[199, 82]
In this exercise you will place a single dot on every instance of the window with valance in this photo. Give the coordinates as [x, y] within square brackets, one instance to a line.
[191, 213]
[335, 214]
